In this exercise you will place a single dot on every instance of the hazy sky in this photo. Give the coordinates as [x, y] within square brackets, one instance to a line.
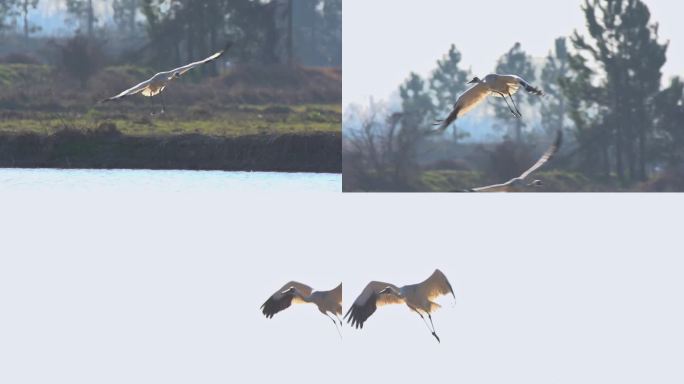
[384, 40]
[114, 286]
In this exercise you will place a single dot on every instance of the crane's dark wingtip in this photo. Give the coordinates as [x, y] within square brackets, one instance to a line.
[227, 47]
[559, 138]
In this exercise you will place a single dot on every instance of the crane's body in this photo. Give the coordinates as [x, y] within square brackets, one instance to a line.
[492, 85]
[157, 83]
[419, 298]
[327, 302]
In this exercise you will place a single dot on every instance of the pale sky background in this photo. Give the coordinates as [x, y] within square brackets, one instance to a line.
[384, 40]
[128, 286]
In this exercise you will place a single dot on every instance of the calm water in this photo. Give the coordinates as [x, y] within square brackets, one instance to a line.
[18, 180]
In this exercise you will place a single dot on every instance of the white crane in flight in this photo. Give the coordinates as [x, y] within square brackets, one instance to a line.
[519, 184]
[418, 297]
[155, 85]
[328, 302]
[491, 85]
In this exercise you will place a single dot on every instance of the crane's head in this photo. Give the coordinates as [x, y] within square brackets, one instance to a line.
[475, 80]
[289, 291]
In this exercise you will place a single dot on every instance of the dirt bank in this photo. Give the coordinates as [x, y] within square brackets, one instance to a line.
[107, 148]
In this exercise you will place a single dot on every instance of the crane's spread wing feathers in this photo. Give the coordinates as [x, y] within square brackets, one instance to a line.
[494, 188]
[547, 156]
[368, 301]
[472, 98]
[465, 103]
[435, 286]
[280, 301]
[506, 84]
[180, 71]
[131, 91]
[528, 87]
[332, 299]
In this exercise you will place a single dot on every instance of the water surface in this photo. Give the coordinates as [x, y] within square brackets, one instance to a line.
[59, 180]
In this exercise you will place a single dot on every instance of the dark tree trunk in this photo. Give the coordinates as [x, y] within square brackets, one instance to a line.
[619, 154]
[518, 131]
[605, 152]
[26, 22]
[91, 19]
[290, 33]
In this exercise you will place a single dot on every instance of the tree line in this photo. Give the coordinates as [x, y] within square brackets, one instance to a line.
[279, 31]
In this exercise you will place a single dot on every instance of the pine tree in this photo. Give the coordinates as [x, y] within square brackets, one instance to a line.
[416, 102]
[623, 43]
[417, 110]
[447, 82]
[554, 104]
[125, 13]
[669, 122]
[83, 12]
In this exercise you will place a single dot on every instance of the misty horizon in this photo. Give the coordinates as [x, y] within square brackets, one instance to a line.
[417, 49]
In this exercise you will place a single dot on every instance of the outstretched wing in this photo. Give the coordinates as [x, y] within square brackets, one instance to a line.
[280, 301]
[528, 87]
[131, 91]
[465, 103]
[494, 188]
[334, 298]
[180, 71]
[368, 301]
[435, 286]
[548, 155]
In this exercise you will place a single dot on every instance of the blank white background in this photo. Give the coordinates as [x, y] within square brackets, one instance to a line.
[114, 288]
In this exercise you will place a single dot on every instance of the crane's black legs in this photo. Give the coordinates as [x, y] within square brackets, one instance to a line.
[162, 102]
[335, 323]
[338, 319]
[515, 105]
[161, 97]
[509, 106]
[432, 330]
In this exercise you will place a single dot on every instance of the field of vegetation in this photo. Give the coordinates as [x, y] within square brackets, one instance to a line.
[47, 119]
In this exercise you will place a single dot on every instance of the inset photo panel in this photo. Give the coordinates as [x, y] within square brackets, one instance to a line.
[524, 96]
[215, 96]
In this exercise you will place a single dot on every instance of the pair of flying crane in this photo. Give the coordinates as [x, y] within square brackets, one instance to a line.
[419, 298]
[501, 86]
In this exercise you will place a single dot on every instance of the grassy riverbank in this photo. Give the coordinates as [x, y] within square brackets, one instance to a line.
[254, 138]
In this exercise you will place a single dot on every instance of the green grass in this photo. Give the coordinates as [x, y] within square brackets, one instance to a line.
[447, 181]
[18, 74]
[554, 181]
[237, 121]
